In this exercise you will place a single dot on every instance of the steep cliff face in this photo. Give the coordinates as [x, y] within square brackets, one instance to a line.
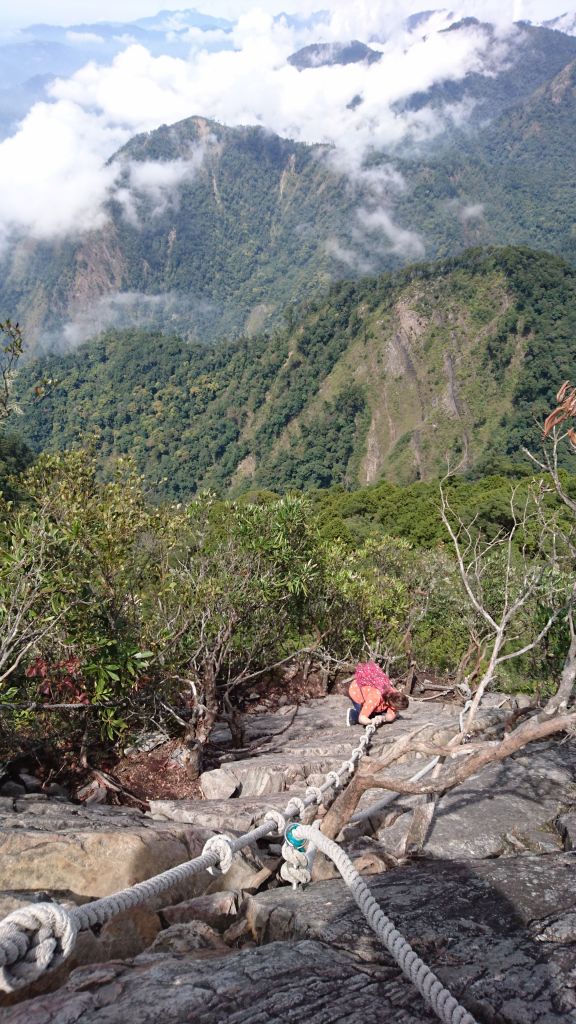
[430, 390]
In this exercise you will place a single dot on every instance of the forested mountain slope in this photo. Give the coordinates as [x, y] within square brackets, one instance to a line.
[513, 182]
[220, 226]
[386, 376]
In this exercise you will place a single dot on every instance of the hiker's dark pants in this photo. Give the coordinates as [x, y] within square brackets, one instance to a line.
[356, 709]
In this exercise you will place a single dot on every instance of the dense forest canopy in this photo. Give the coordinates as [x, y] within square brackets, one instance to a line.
[386, 376]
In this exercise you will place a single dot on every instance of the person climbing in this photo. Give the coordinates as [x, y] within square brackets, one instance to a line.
[373, 696]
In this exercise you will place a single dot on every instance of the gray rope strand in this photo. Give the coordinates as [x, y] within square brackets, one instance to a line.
[40, 937]
[444, 1004]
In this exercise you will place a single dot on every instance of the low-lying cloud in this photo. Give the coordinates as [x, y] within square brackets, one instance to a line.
[54, 176]
[156, 182]
[119, 310]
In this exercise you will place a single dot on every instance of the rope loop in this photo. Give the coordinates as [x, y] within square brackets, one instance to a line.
[315, 793]
[334, 779]
[295, 807]
[295, 868]
[350, 766]
[220, 845]
[271, 814]
[34, 939]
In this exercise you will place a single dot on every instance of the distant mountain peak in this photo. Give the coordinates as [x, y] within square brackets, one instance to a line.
[565, 23]
[328, 54]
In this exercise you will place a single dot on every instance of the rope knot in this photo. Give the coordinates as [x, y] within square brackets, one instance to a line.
[315, 794]
[295, 868]
[220, 845]
[334, 779]
[34, 939]
[271, 814]
[295, 808]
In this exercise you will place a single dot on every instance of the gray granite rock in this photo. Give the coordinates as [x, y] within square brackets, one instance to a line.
[303, 743]
[92, 851]
[219, 784]
[302, 981]
[11, 788]
[186, 939]
[499, 934]
[217, 909]
[239, 814]
[567, 827]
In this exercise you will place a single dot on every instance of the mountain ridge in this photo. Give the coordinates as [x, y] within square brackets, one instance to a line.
[381, 378]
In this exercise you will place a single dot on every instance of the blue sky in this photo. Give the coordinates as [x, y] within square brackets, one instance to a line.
[74, 11]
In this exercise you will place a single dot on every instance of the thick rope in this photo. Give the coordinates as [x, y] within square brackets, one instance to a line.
[444, 1004]
[40, 937]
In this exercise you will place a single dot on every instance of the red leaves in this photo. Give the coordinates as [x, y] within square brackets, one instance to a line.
[566, 409]
[60, 680]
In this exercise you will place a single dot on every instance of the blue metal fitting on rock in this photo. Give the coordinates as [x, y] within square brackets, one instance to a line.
[298, 844]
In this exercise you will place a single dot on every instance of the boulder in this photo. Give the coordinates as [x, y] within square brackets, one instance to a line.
[187, 939]
[248, 873]
[567, 826]
[216, 909]
[240, 814]
[218, 784]
[506, 807]
[282, 982]
[497, 932]
[91, 851]
[10, 788]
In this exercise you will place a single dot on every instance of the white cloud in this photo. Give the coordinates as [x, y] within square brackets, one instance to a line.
[53, 173]
[198, 39]
[81, 38]
[379, 227]
[156, 182]
[126, 309]
[351, 259]
[474, 211]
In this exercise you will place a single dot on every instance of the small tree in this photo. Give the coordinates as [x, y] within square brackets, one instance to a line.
[505, 578]
[236, 582]
[11, 349]
[74, 560]
[556, 434]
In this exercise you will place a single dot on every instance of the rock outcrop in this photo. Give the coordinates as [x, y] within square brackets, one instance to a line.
[490, 903]
[501, 934]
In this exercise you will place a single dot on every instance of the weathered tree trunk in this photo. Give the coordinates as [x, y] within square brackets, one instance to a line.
[561, 698]
[199, 729]
[235, 720]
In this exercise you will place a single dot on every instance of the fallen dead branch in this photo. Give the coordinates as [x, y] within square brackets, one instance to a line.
[467, 760]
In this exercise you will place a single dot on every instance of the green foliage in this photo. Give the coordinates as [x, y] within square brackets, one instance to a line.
[84, 546]
[300, 407]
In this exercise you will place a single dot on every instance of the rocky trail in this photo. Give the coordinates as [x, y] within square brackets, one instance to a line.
[489, 901]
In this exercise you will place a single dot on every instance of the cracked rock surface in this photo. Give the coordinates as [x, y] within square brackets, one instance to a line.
[490, 903]
[499, 933]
